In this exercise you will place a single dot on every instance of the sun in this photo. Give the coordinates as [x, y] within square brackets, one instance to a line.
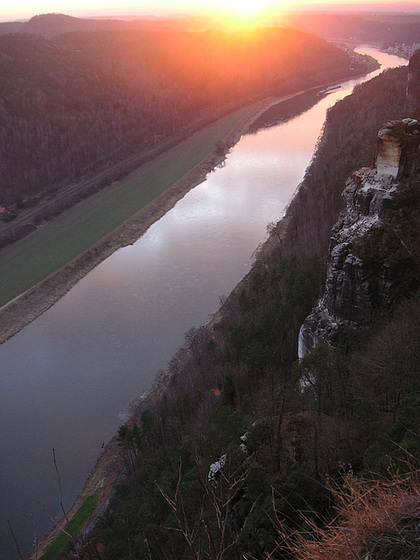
[247, 7]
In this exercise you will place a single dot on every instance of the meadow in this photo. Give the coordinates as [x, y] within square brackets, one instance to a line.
[31, 260]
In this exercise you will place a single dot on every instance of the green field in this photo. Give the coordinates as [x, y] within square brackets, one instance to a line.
[79, 519]
[29, 261]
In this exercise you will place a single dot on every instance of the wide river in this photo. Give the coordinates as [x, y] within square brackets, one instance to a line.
[67, 378]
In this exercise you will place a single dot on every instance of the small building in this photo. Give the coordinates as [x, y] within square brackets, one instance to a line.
[6, 214]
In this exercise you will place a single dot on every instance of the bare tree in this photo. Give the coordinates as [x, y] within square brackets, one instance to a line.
[209, 535]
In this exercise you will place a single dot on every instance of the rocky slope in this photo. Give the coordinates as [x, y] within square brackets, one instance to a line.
[373, 259]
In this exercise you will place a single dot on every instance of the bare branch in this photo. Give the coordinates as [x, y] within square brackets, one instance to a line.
[55, 522]
[35, 538]
[59, 487]
[14, 539]
[62, 507]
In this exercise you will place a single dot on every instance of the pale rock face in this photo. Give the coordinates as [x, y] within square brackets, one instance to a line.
[313, 332]
[389, 155]
[215, 470]
[356, 293]
[397, 147]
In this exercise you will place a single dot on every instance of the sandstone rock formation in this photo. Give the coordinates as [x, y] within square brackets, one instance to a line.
[370, 261]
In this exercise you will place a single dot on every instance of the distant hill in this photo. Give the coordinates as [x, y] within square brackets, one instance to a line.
[56, 24]
[51, 25]
[399, 24]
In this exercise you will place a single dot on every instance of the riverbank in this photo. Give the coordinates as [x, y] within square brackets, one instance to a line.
[25, 308]
[35, 301]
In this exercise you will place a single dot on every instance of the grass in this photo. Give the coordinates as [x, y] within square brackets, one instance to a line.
[29, 261]
[73, 527]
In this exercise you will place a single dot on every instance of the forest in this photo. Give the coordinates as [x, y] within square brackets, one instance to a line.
[229, 458]
[74, 104]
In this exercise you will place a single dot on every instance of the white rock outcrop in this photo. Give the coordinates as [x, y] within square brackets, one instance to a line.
[362, 283]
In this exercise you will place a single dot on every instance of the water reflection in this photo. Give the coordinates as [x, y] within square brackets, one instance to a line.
[70, 375]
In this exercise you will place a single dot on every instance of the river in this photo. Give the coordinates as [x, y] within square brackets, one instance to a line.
[68, 377]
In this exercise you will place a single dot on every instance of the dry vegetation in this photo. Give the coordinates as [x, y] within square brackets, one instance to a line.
[376, 520]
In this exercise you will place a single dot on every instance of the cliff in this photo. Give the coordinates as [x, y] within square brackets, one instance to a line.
[413, 86]
[373, 258]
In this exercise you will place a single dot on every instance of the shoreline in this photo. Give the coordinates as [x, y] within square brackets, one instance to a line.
[27, 307]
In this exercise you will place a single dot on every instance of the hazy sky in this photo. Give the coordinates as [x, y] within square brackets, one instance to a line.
[23, 9]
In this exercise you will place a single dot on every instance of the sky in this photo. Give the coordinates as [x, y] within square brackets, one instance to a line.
[25, 9]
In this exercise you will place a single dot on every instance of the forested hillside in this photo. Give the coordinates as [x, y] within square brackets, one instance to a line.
[347, 143]
[79, 102]
[230, 458]
[53, 24]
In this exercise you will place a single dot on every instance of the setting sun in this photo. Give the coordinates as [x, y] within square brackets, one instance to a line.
[248, 7]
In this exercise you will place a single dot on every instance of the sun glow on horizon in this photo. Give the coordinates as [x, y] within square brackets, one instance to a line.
[254, 11]
[248, 14]
[248, 7]
[110, 8]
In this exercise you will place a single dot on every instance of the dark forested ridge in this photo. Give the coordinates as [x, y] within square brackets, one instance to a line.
[229, 458]
[78, 102]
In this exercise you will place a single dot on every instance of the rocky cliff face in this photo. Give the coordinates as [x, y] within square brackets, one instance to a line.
[413, 87]
[373, 257]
